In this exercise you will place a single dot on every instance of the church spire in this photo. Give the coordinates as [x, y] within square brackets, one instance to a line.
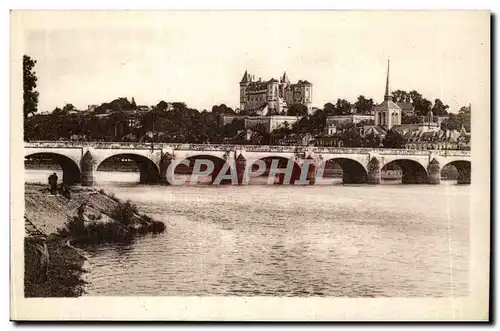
[387, 95]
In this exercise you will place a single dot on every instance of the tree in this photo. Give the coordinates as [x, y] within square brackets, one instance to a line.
[455, 121]
[409, 119]
[162, 105]
[68, 107]
[30, 95]
[297, 109]
[393, 139]
[350, 136]
[401, 96]
[342, 107]
[118, 104]
[464, 114]
[371, 140]
[452, 123]
[363, 105]
[422, 106]
[222, 109]
[439, 108]
[414, 95]
[60, 112]
[329, 108]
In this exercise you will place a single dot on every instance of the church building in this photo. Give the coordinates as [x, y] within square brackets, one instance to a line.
[388, 113]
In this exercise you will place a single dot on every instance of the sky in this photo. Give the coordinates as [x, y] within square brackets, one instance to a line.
[199, 57]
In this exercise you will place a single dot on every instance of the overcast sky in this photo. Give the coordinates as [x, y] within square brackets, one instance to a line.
[200, 57]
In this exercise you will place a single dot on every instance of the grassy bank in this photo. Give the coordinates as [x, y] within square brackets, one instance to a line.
[58, 275]
[86, 216]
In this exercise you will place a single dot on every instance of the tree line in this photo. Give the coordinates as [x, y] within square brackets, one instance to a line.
[176, 122]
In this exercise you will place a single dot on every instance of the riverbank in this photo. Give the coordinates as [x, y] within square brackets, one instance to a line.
[55, 224]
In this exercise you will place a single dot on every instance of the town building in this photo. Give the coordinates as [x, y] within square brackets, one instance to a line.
[272, 96]
[438, 140]
[329, 138]
[229, 118]
[341, 120]
[269, 123]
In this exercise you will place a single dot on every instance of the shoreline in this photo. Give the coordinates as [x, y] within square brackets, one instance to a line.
[59, 228]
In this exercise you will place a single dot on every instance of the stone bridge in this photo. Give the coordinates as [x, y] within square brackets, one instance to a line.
[79, 161]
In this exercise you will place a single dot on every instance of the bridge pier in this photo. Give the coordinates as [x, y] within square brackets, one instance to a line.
[311, 173]
[374, 171]
[165, 162]
[434, 172]
[241, 164]
[148, 173]
[88, 165]
[464, 175]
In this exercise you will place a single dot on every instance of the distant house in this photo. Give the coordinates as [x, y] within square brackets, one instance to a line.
[372, 130]
[340, 120]
[330, 137]
[328, 140]
[302, 139]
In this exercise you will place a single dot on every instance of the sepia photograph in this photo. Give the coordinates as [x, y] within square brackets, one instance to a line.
[250, 165]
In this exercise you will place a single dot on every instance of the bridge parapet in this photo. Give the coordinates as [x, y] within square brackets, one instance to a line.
[247, 148]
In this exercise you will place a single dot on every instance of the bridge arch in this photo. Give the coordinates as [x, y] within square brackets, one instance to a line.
[282, 164]
[413, 172]
[182, 169]
[149, 171]
[353, 172]
[463, 168]
[70, 169]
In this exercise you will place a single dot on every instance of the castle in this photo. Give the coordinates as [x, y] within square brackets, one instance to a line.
[273, 97]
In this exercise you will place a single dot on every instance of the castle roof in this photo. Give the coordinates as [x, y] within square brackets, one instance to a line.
[272, 80]
[245, 78]
[285, 79]
[303, 82]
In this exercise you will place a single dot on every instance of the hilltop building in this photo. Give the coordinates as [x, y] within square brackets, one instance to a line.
[273, 97]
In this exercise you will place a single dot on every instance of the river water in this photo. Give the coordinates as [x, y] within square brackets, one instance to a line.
[340, 240]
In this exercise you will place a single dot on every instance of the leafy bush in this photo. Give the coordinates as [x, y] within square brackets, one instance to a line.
[125, 212]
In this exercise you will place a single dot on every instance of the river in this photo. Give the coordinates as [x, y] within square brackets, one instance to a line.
[339, 240]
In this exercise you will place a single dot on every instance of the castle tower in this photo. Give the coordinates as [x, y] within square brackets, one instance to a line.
[284, 79]
[245, 81]
[273, 95]
[388, 113]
